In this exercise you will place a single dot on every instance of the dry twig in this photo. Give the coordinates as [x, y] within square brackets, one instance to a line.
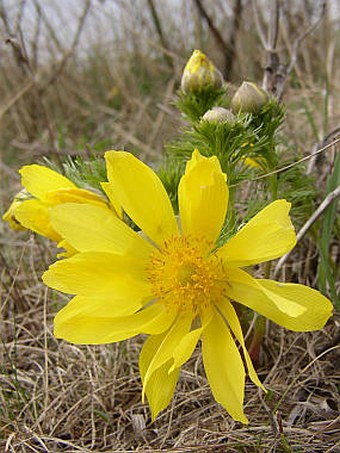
[323, 206]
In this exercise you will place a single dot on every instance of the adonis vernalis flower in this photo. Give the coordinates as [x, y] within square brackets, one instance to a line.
[44, 188]
[172, 281]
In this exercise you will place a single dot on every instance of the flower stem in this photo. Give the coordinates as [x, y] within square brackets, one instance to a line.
[255, 345]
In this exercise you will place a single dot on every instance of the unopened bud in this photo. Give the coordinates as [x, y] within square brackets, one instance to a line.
[200, 72]
[218, 115]
[249, 98]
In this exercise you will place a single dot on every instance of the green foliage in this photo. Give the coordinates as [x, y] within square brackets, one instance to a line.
[227, 141]
[298, 188]
[327, 269]
[170, 175]
[85, 172]
[269, 118]
[267, 121]
[195, 104]
[233, 141]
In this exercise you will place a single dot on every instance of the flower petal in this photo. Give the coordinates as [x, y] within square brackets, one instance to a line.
[117, 284]
[68, 249]
[73, 195]
[229, 313]
[296, 307]
[108, 189]
[142, 195]
[203, 197]
[38, 180]
[9, 215]
[268, 235]
[224, 368]
[73, 325]
[34, 215]
[166, 347]
[186, 345]
[161, 385]
[96, 228]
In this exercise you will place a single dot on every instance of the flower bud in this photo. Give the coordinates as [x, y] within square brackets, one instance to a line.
[200, 72]
[249, 98]
[218, 115]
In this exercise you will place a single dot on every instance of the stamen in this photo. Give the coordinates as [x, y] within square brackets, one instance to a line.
[182, 273]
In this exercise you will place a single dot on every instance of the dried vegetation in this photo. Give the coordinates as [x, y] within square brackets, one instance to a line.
[109, 84]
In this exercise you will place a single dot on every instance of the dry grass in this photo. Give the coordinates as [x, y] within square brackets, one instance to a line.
[58, 397]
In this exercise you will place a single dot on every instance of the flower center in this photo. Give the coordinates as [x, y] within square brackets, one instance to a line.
[182, 273]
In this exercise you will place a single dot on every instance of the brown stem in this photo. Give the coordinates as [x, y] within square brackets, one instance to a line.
[159, 29]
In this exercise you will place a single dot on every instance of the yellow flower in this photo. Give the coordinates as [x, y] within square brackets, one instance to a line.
[200, 72]
[172, 282]
[45, 188]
